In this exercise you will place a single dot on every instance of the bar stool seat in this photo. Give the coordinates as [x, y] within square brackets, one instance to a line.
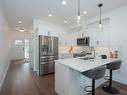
[112, 66]
[95, 74]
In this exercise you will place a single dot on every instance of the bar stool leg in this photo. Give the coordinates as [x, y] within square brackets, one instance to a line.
[110, 81]
[109, 88]
[93, 86]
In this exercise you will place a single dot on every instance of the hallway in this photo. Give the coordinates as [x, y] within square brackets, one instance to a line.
[21, 80]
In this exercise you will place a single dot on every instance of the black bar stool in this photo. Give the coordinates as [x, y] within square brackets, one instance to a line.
[109, 88]
[94, 74]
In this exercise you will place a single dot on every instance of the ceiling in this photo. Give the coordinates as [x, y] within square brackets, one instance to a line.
[26, 10]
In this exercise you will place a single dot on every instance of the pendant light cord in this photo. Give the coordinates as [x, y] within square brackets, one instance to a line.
[78, 7]
[100, 15]
[100, 18]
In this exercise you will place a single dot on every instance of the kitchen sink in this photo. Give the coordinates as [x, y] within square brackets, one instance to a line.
[87, 58]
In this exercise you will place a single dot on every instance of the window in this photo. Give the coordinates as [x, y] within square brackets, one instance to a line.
[18, 42]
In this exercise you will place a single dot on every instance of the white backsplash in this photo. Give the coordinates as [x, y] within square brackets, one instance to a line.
[65, 49]
[105, 50]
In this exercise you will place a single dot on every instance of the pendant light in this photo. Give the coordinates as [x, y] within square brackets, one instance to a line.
[79, 15]
[100, 14]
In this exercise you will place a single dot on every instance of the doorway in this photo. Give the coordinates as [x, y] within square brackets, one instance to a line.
[26, 48]
[20, 49]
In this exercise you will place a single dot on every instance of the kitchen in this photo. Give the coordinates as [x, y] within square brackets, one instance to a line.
[70, 38]
[103, 41]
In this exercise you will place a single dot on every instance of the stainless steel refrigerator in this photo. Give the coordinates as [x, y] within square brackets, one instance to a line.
[48, 52]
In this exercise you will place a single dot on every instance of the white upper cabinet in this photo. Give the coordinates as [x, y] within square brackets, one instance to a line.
[46, 32]
[42, 32]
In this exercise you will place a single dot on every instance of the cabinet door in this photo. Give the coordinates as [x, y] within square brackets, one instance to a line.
[46, 32]
[52, 33]
[43, 32]
[66, 55]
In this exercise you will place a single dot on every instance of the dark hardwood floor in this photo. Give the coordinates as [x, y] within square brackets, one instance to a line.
[122, 88]
[20, 80]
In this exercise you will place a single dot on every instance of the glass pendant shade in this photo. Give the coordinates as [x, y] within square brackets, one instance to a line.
[100, 18]
[79, 17]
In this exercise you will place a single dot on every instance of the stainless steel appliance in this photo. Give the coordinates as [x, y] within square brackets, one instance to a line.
[48, 52]
[83, 41]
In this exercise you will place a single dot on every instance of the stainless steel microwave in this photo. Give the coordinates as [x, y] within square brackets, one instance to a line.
[85, 41]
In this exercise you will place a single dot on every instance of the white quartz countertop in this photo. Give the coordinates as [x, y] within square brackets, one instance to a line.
[81, 65]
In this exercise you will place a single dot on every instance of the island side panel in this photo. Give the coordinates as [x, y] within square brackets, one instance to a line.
[61, 79]
[77, 83]
[71, 82]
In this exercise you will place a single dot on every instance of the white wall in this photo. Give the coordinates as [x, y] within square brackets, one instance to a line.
[113, 35]
[4, 46]
[118, 37]
[16, 35]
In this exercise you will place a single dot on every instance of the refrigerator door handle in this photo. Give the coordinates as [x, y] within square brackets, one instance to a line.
[52, 46]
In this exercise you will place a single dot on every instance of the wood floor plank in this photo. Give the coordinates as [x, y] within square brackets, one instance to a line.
[21, 80]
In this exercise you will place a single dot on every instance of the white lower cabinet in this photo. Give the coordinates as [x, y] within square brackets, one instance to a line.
[65, 55]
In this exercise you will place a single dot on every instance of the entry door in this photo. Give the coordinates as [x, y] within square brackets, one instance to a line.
[18, 49]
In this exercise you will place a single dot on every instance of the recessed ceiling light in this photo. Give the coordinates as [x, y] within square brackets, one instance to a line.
[50, 15]
[21, 30]
[97, 0]
[65, 21]
[64, 2]
[19, 21]
[85, 12]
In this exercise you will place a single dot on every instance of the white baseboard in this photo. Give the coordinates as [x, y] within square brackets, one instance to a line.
[0, 87]
[120, 80]
[2, 81]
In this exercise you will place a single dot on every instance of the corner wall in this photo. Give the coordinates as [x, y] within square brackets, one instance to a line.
[4, 46]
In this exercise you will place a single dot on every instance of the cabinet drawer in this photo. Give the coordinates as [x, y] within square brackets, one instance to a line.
[66, 55]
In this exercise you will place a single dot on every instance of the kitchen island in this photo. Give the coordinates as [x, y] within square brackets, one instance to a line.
[68, 74]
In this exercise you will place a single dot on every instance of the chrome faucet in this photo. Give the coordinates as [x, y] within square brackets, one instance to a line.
[93, 49]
